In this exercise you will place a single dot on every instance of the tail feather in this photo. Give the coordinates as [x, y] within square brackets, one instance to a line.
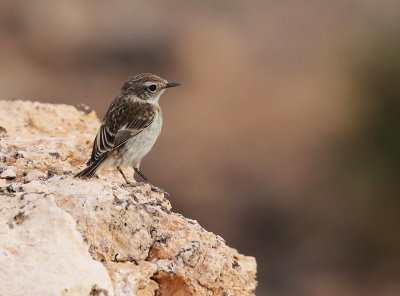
[89, 172]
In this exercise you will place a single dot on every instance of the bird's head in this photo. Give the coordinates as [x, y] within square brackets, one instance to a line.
[147, 87]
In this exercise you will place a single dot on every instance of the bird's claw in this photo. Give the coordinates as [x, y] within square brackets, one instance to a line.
[158, 189]
[134, 184]
[153, 188]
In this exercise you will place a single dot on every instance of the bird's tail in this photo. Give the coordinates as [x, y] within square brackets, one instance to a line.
[91, 169]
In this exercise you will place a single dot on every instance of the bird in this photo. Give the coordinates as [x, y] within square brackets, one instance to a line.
[129, 128]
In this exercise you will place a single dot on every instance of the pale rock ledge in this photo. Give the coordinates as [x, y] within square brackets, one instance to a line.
[65, 236]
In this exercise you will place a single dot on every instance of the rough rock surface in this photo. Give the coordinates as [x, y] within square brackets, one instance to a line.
[66, 236]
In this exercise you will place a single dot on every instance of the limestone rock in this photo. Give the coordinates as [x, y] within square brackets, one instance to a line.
[3, 184]
[133, 279]
[42, 253]
[34, 175]
[8, 173]
[66, 236]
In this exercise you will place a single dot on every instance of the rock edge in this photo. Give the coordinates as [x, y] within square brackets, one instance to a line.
[65, 236]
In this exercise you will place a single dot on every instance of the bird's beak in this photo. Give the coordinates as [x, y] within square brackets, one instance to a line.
[172, 84]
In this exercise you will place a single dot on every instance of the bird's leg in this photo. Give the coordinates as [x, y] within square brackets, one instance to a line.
[123, 175]
[141, 175]
[154, 188]
[129, 183]
[125, 178]
[134, 184]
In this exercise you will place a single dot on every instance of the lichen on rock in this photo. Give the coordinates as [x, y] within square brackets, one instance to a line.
[66, 236]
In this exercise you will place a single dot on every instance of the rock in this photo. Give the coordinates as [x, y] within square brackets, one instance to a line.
[42, 253]
[14, 187]
[8, 174]
[94, 237]
[3, 132]
[18, 154]
[84, 108]
[34, 186]
[55, 154]
[133, 279]
[3, 167]
[34, 175]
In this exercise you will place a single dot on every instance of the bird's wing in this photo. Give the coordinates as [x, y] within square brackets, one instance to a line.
[121, 122]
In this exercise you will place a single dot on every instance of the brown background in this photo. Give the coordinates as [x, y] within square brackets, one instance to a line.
[284, 137]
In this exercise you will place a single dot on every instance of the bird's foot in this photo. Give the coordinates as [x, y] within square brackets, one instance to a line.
[134, 184]
[153, 188]
[158, 189]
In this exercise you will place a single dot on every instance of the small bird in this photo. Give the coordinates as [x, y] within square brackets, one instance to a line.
[130, 127]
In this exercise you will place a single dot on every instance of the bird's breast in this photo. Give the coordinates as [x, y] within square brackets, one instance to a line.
[138, 146]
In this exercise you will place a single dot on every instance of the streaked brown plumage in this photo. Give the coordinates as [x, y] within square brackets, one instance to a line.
[130, 127]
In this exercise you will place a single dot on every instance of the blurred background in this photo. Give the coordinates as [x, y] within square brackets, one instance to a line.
[284, 137]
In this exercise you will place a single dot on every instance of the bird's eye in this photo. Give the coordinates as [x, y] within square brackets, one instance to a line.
[152, 87]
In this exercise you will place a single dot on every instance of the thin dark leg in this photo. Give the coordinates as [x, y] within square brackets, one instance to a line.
[141, 175]
[154, 188]
[123, 175]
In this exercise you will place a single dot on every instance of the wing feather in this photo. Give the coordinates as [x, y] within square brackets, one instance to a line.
[124, 136]
[121, 123]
